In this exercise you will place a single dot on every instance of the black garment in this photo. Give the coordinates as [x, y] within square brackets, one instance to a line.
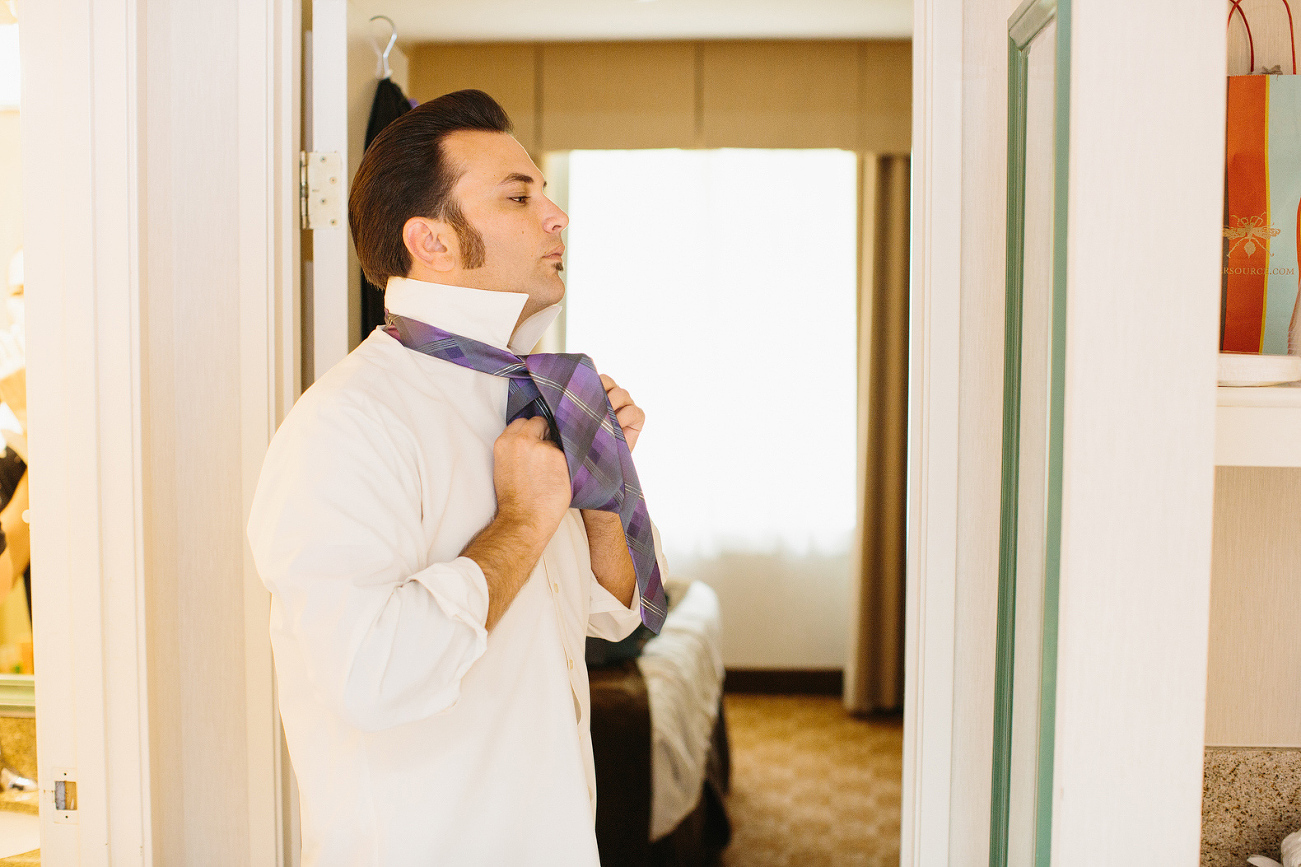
[11, 473]
[390, 104]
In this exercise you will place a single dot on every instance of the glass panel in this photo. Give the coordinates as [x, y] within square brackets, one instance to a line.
[1032, 478]
[1033, 407]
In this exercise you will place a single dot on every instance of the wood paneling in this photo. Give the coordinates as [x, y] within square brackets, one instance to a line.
[1252, 696]
[618, 95]
[507, 71]
[885, 97]
[855, 95]
[780, 94]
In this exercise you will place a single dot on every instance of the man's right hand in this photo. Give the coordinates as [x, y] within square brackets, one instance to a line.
[533, 494]
[531, 476]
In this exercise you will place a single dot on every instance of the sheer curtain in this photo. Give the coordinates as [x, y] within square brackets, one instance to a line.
[720, 288]
[874, 673]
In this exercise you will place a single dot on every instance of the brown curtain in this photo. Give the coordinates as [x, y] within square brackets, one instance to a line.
[874, 673]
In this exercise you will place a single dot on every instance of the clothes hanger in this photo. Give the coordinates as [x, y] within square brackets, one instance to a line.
[382, 68]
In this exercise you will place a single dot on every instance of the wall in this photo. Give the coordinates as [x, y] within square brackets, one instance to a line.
[1254, 682]
[854, 95]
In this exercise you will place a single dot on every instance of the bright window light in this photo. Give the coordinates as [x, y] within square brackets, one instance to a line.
[720, 288]
[9, 67]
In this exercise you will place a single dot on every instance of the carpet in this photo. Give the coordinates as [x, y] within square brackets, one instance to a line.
[812, 785]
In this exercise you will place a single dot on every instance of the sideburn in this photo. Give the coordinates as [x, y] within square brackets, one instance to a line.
[473, 253]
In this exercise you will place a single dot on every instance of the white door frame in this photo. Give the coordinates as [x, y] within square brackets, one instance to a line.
[82, 121]
[933, 435]
[270, 93]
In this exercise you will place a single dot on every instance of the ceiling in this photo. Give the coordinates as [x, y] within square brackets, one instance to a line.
[563, 20]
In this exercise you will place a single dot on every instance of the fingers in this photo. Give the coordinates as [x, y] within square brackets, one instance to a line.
[534, 428]
[618, 397]
[631, 417]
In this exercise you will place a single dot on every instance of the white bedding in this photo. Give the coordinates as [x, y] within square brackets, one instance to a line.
[683, 669]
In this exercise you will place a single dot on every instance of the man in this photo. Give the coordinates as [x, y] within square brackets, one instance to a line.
[431, 587]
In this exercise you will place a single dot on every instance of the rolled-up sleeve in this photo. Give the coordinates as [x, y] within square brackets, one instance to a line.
[611, 619]
[336, 534]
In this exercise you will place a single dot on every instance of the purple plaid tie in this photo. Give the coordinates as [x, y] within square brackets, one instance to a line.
[566, 390]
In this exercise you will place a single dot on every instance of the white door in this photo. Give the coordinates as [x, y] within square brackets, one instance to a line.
[1145, 150]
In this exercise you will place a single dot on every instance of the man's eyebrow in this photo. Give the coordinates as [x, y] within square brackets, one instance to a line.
[516, 177]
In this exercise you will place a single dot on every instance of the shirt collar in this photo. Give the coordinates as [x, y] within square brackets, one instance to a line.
[479, 314]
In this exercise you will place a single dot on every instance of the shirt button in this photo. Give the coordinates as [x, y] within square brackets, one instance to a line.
[571, 665]
[555, 587]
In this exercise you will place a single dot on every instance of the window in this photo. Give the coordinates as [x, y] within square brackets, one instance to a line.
[720, 288]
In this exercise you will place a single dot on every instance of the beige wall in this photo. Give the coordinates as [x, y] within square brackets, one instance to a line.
[788, 94]
[11, 183]
[1254, 678]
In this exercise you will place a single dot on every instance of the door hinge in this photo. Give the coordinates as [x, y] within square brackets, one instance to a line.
[320, 190]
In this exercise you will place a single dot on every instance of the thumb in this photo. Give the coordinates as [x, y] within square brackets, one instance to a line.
[536, 428]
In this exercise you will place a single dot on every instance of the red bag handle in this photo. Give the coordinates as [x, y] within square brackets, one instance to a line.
[1251, 44]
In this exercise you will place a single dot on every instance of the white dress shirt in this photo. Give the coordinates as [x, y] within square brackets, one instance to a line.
[418, 737]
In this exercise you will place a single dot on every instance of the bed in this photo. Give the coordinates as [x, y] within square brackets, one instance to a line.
[659, 738]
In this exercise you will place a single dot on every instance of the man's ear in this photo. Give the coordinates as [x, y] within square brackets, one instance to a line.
[431, 244]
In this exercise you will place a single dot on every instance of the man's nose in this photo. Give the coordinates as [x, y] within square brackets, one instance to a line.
[556, 219]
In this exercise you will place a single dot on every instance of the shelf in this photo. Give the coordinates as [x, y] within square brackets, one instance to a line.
[1258, 427]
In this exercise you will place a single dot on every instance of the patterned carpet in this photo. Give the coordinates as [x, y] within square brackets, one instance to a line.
[811, 785]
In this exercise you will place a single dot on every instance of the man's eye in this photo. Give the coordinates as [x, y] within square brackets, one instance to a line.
[520, 199]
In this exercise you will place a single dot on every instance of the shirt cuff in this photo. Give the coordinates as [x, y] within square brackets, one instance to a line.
[604, 601]
[460, 590]
[611, 619]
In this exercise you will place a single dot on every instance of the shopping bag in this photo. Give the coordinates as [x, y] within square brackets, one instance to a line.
[1262, 209]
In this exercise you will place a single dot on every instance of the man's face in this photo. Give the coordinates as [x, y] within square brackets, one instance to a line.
[500, 196]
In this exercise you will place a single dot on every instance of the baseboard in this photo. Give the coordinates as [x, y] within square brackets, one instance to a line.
[785, 681]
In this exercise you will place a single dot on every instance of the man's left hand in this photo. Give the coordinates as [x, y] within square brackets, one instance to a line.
[630, 415]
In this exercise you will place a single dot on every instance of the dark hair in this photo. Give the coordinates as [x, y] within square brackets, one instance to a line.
[405, 173]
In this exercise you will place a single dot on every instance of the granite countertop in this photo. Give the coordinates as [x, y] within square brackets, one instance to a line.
[1251, 800]
[18, 746]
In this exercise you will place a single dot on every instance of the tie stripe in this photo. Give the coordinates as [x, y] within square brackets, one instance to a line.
[566, 390]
